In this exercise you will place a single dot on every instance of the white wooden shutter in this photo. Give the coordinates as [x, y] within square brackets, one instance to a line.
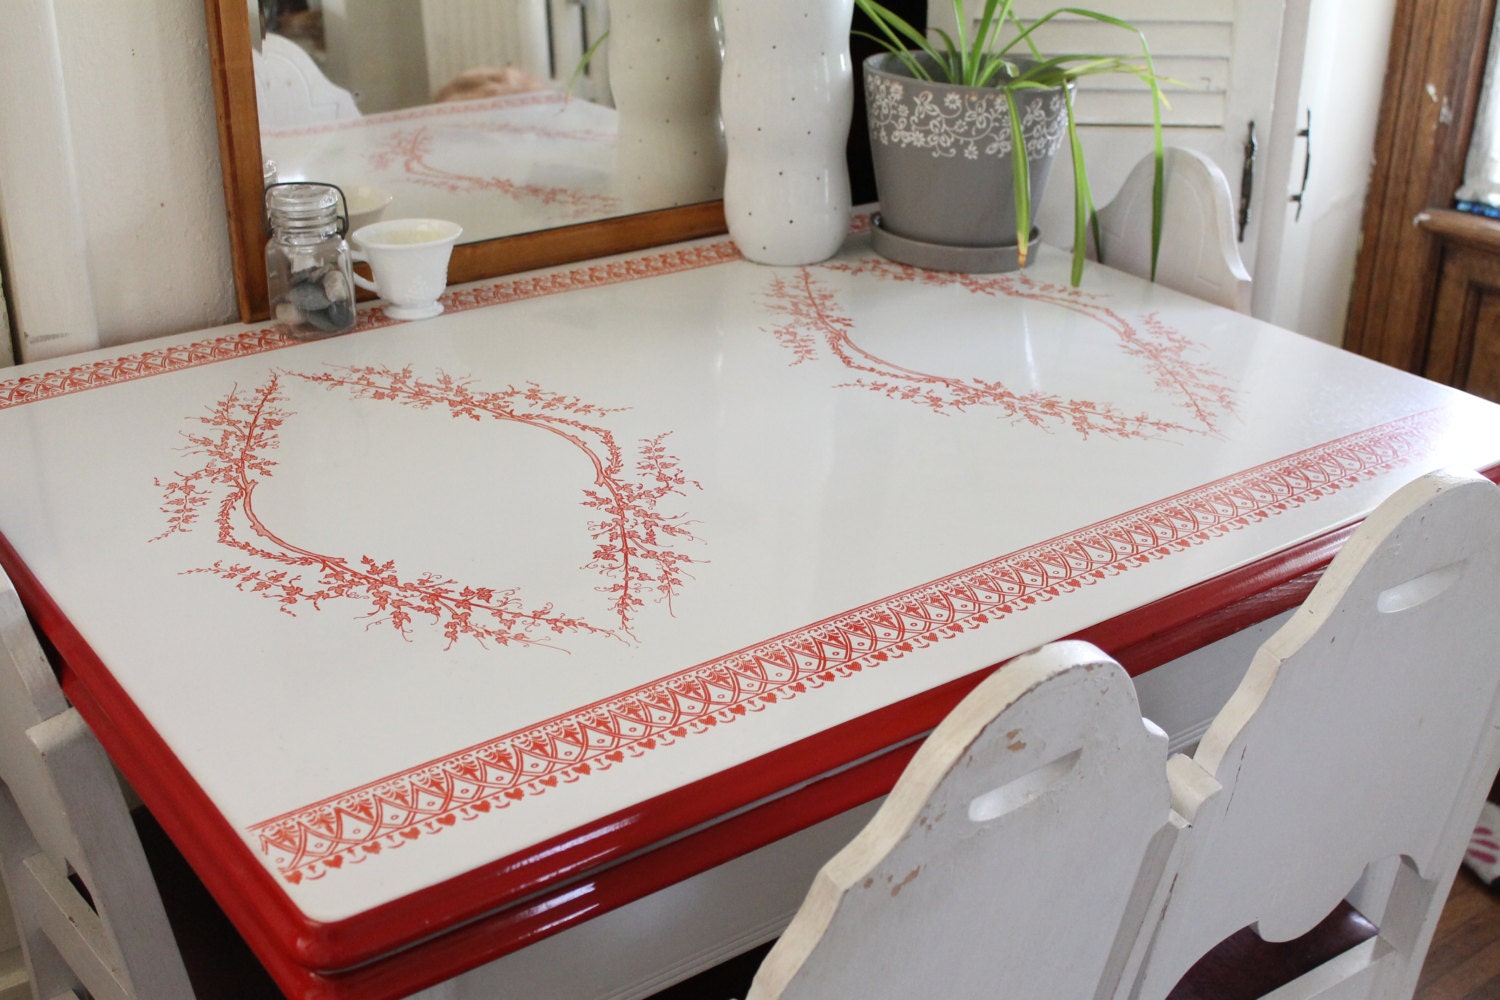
[1191, 41]
[470, 34]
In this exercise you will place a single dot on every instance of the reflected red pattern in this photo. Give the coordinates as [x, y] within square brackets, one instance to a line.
[410, 153]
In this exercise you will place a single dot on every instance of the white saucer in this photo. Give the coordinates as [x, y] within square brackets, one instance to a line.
[427, 311]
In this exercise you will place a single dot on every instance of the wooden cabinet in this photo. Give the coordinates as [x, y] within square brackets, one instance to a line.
[1427, 295]
[1463, 347]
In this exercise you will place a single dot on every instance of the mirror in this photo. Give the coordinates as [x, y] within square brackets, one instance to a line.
[631, 158]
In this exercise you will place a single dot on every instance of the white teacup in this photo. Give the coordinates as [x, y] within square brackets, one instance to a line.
[366, 203]
[409, 260]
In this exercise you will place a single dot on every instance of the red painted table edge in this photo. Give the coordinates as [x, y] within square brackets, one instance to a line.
[516, 901]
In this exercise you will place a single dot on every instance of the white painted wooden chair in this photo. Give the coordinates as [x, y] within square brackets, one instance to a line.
[1367, 730]
[1199, 244]
[1041, 845]
[291, 91]
[62, 814]
[1007, 859]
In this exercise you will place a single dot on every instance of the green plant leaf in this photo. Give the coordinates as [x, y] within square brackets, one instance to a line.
[1157, 101]
[952, 58]
[1083, 198]
[583, 64]
[982, 64]
[1023, 34]
[904, 56]
[995, 68]
[893, 25]
[1021, 178]
[961, 50]
[1158, 198]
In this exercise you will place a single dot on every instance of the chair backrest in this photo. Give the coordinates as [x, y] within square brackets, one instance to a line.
[1008, 856]
[1028, 851]
[62, 813]
[1367, 729]
[291, 91]
[1199, 243]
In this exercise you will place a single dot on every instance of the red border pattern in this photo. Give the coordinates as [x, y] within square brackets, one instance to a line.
[164, 360]
[615, 272]
[80, 378]
[312, 841]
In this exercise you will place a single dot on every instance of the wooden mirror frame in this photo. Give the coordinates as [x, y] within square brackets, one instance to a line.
[240, 157]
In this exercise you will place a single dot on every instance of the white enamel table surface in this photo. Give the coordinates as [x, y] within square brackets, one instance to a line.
[496, 166]
[619, 527]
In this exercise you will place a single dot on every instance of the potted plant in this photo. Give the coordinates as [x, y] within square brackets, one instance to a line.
[945, 118]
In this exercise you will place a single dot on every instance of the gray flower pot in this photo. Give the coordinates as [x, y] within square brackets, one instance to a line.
[942, 157]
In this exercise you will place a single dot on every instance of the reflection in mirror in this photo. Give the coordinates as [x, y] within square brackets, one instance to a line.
[657, 122]
[462, 109]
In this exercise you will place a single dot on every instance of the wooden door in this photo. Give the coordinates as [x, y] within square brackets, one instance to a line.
[1432, 92]
[1465, 347]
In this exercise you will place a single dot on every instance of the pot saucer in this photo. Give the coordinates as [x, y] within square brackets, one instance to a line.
[940, 257]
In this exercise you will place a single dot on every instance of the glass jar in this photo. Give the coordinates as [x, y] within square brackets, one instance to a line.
[308, 273]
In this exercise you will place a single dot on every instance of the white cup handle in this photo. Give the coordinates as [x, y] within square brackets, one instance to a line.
[359, 279]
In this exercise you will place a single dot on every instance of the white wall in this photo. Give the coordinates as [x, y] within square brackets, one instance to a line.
[398, 77]
[134, 89]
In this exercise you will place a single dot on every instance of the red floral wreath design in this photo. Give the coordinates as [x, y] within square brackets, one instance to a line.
[635, 544]
[410, 151]
[813, 315]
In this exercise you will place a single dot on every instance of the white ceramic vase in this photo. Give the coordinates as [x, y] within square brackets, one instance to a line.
[787, 97]
[664, 64]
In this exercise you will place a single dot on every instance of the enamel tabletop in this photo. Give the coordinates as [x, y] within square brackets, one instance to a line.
[381, 610]
[496, 166]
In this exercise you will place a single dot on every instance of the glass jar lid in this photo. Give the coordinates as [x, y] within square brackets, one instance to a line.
[300, 205]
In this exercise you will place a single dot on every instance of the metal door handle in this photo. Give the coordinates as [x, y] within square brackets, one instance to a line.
[1301, 196]
[1247, 180]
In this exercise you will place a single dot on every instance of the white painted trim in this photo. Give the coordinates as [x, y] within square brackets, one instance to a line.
[41, 213]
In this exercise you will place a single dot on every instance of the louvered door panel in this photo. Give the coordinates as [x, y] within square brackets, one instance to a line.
[1192, 41]
[467, 34]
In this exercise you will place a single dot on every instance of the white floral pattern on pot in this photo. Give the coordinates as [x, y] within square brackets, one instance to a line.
[971, 123]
